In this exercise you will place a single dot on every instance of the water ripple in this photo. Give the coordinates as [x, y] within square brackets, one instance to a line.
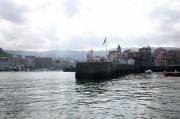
[54, 95]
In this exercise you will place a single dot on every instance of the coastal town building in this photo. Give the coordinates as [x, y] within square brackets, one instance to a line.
[177, 55]
[17, 61]
[4, 63]
[173, 57]
[56, 63]
[30, 61]
[159, 57]
[142, 57]
[92, 58]
[126, 57]
[145, 56]
[117, 56]
[43, 62]
[115, 52]
[132, 56]
[10, 63]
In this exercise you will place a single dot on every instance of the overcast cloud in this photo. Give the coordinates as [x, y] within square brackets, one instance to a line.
[11, 11]
[83, 24]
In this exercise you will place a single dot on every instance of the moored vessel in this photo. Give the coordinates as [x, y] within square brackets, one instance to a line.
[174, 74]
[148, 71]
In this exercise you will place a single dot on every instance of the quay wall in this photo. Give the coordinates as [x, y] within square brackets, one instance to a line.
[93, 69]
[160, 68]
[121, 69]
[105, 70]
[102, 69]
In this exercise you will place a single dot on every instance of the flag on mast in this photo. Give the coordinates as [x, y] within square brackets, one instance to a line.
[104, 41]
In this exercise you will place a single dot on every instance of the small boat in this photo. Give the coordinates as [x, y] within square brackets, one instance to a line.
[148, 71]
[175, 74]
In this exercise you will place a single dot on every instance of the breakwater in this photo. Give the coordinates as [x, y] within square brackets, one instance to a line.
[102, 69]
[106, 70]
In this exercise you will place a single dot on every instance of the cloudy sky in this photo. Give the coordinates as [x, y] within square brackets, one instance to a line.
[83, 24]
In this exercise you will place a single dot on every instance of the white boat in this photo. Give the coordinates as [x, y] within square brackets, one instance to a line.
[27, 69]
[148, 71]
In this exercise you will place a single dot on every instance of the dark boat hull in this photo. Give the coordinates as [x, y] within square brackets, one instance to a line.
[175, 74]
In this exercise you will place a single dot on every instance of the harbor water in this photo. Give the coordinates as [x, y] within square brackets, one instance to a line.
[58, 95]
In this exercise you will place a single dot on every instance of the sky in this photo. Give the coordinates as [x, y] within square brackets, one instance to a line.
[83, 24]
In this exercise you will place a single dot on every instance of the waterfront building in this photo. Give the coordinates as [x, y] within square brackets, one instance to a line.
[132, 56]
[159, 57]
[119, 48]
[92, 58]
[170, 57]
[30, 61]
[121, 57]
[145, 56]
[7, 63]
[177, 55]
[173, 57]
[43, 62]
[115, 52]
[126, 57]
[16, 61]
[4, 63]
[115, 55]
[57, 63]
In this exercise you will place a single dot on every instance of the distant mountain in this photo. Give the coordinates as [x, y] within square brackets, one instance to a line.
[4, 54]
[70, 54]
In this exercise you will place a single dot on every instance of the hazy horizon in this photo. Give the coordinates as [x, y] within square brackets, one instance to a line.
[83, 24]
[85, 50]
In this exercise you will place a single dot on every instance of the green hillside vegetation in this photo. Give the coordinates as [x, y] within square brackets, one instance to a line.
[4, 54]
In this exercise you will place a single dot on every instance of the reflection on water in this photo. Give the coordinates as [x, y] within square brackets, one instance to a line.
[52, 95]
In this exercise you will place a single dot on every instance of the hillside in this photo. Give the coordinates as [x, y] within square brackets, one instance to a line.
[4, 54]
[67, 54]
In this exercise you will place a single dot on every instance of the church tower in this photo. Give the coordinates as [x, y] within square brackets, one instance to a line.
[119, 48]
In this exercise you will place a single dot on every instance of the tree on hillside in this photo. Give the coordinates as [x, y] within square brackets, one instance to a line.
[4, 54]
